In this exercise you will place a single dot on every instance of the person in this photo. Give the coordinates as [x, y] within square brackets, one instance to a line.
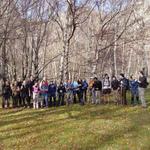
[24, 93]
[61, 94]
[106, 88]
[30, 84]
[142, 86]
[36, 91]
[115, 87]
[80, 92]
[6, 94]
[52, 89]
[69, 92]
[90, 89]
[85, 87]
[134, 90]
[124, 86]
[97, 88]
[15, 94]
[44, 90]
[75, 87]
[19, 84]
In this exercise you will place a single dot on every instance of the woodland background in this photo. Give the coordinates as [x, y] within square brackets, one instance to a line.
[73, 38]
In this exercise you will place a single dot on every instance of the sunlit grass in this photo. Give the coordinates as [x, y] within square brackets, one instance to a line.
[103, 127]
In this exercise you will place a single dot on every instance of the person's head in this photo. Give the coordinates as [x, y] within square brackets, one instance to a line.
[95, 79]
[13, 80]
[61, 83]
[36, 83]
[19, 79]
[84, 80]
[141, 73]
[44, 78]
[24, 82]
[69, 81]
[7, 82]
[15, 83]
[91, 78]
[106, 76]
[131, 77]
[79, 80]
[114, 78]
[31, 78]
[121, 75]
[51, 82]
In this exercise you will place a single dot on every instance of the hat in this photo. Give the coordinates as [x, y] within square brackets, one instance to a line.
[121, 74]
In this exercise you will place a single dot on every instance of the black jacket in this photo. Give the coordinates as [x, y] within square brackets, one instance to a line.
[61, 90]
[124, 84]
[24, 90]
[6, 90]
[143, 82]
[115, 84]
[97, 85]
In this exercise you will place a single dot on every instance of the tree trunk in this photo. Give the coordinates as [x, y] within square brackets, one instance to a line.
[4, 61]
[30, 63]
[36, 63]
[115, 57]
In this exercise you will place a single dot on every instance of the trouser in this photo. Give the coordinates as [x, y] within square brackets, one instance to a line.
[123, 96]
[14, 101]
[69, 96]
[134, 98]
[96, 97]
[115, 96]
[19, 100]
[75, 97]
[45, 97]
[35, 100]
[80, 97]
[54, 99]
[142, 96]
[60, 99]
[85, 95]
[5, 102]
[24, 99]
[28, 101]
[90, 95]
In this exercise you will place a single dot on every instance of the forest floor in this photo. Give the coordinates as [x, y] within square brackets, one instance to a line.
[89, 127]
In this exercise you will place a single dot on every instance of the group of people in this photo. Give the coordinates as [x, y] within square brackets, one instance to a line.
[48, 94]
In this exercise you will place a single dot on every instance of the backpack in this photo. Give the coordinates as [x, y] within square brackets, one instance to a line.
[146, 83]
[126, 84]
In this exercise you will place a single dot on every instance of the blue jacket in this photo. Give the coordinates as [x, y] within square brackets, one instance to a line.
[134, 86]
[52, 88]
[85, 85]
[75, 86]
[124, 83]
[69, 87]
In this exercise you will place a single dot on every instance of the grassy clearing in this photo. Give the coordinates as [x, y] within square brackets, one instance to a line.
[103, 127]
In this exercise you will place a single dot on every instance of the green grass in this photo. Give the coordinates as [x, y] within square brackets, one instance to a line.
[103, 127]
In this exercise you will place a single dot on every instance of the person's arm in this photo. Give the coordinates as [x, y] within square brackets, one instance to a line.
[65, 90]
[110, 84]
[58, 89]
[10, 91]
[119, 84]
[40, 86]
[130, 85]
[55, 88]
[29, 91]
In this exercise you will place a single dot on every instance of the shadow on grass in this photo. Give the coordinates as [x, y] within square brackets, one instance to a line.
[86, 113]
